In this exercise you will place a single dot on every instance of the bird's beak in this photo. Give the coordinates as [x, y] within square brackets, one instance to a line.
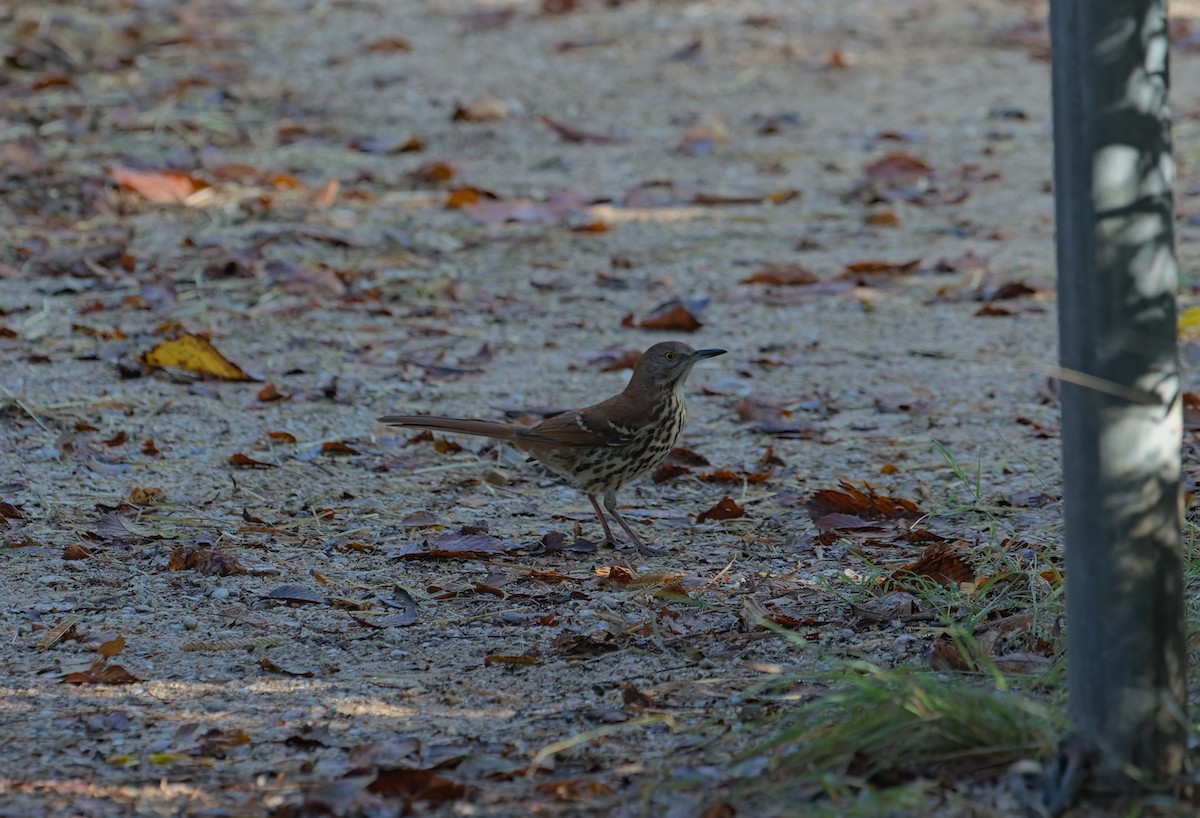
[707, 353]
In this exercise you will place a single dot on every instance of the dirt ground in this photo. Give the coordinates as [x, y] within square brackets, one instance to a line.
[244, 597]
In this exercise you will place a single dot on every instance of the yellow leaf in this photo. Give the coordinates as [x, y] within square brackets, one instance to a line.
[123, 760]
[1189, 323]
[163, 759]
[192, 353]
[112, 647]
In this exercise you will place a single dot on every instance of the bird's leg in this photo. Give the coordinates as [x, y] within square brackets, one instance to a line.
[608, 537]
[610, 503]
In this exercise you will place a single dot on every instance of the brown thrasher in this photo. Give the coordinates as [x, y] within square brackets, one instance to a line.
[602, 447]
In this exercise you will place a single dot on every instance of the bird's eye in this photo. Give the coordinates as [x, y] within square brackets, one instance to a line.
[670, 356]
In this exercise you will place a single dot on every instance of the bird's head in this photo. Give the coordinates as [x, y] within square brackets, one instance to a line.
[667, 365]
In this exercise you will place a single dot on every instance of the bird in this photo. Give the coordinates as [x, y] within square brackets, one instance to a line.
[600, 448]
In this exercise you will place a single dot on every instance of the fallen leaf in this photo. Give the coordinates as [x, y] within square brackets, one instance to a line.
[669, 471]
[61, 631]
[242, 461]
[295, 593]
[337, 447]
[304, 279]
[269, 394]
[8, 511]
[204, 560]
[837, 60]
[455, 545]
[731, 476]
[939, 563]
[883, 218]
[387, 144]
[146, 495]
[486, 109]
[993, 311]
[112, 647]
[864, 503]
[504, 659]
[76, 551]
[614, 358]
[434, 172]
[864, 272]
[674, 315]
[571, 133]
[1010, 289]
[727, 509]
[899, 171]
[389, 45]
[416, 785]
[269, 666]
[193, 354]
[787, 275]
[158, 186]
[101, 673]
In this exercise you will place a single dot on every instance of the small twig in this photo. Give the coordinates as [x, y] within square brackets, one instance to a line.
[21, 405]
[600, 732]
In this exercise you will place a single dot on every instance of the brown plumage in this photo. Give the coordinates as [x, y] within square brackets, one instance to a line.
[602, 447]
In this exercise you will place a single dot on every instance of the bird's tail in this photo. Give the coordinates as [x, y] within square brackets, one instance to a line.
[458, 426]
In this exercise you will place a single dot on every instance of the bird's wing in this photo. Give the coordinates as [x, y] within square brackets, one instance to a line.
[583, 427]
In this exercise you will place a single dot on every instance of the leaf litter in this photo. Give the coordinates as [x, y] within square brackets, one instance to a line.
[461, 254]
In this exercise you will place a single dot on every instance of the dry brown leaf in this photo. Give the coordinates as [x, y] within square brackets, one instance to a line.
[389, 45]
[195, 355]
[435, 172]
[8, 511]
[864, 503]
[731, 476]
[101, 673]
[727, 509]
[337, 447]
[76, 551]
[146, 495]
[59, 632]
[112, 647]
[614, 358]
[669, 471]
[788, 275]
[505, 659]
[898, 171]
[415, 785]
[864, 271]
[939, 563]
[204, 560]
[242, 461]
[158, 186]
[1011, 289]
[673, 315]
[485, 109]
[269, 393]
[571, 133]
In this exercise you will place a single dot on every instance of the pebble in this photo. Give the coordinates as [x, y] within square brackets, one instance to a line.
[189, 622]
[220, 593]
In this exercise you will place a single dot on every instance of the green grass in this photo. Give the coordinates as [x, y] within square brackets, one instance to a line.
[865, 740]
[875, 741]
